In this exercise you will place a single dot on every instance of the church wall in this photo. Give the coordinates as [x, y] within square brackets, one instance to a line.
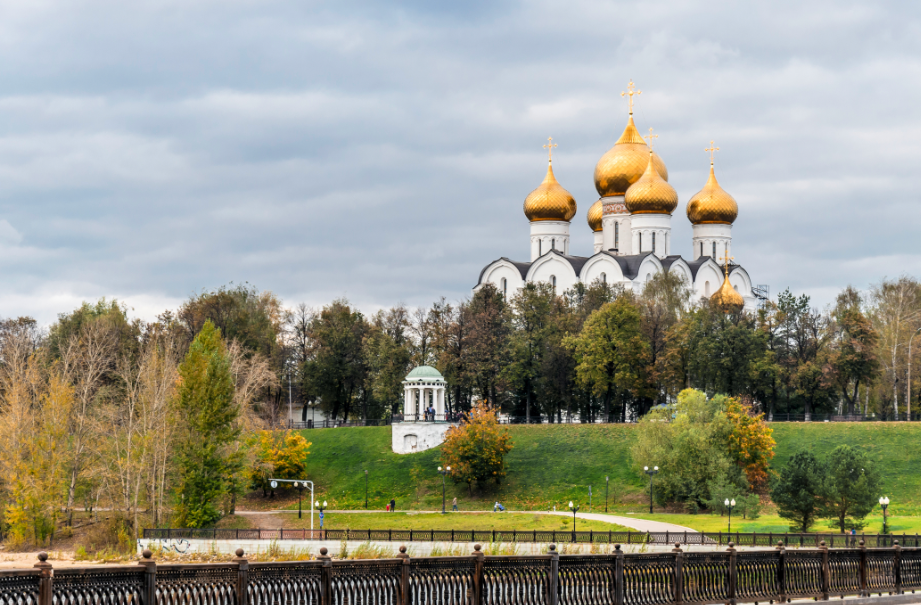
[547, 268]
[508, 272]
[682, 270]
[707, 235]
[547, 236]
[646, 225]
[603, 264]
[707, 275]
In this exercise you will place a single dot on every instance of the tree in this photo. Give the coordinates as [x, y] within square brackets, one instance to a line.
[205, 409]
[476, 448]
[610, 351]
[854, 347]
[850, 487]
[277, 455]
[388, 351]
[797, 490]
[532, 307]
[750, 442]
[488, 322]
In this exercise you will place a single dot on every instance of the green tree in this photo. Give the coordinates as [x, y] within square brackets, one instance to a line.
[488, 324]
[206, 461]
[611, 351]
[476, 449]
[851, 487]
[388, 352]
[854, 347]
[797, 490]
[533, 308]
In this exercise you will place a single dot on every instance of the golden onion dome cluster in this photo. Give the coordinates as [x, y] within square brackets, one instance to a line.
[712, 205]
[624, 163]
[727, 299]
[595, 214]
[549, 202]
[651, 194]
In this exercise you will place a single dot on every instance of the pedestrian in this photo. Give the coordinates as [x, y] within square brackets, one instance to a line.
[393, 505]
[454, 505]
[498, 507]
[388, 507]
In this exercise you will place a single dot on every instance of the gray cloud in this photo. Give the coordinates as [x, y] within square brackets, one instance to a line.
[382, 151]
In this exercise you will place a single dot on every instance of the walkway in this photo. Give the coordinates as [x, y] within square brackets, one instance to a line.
[637, 524]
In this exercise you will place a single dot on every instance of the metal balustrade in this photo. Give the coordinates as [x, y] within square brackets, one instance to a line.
[666, 578]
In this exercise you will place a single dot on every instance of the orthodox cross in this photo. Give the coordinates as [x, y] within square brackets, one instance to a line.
[711, 149]
[726, 258]
[549, 147]
[629, 94]
[650, 137]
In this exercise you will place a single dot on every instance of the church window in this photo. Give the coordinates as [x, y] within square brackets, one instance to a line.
[504, 286]
[641, 244]
[714, 250]
[706, 288]
[701, 248]
[540, 246]
[553, 244]
[617, 236]
[653, 242]
[604, 278]
[553, 281]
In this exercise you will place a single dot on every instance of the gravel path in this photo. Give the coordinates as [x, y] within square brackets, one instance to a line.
[637, 524]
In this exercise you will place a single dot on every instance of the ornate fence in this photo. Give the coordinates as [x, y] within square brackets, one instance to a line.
[666, 578]
[538, 536]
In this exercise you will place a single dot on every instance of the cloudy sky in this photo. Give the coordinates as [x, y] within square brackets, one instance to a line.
[381, 151]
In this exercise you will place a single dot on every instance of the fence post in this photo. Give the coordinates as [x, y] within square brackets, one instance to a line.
[826, 572]
[44, 582]
[897, 567]
[679, 574]
[326, 578]
[731, 597]
[781, 572]
[242, 577]
[863, 569]
[404, 580]
[553, 586]
[149, 596]
[478, 575]
[618, 575]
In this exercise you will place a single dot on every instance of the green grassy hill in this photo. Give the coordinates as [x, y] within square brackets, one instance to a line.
[552, 464]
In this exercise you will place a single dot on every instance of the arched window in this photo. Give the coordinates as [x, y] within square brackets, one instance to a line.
[706, 288]
[617, 236]
[653, 242]
[701, 248]
[641, 244]
[714, 250]
[604, 278]
[504, 286]
[553, 281]
[540, 246]
[666, 245]
[553, 244]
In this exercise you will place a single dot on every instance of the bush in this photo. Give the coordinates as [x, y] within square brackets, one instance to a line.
[691, 506]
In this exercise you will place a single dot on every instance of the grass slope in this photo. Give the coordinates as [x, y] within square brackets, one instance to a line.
[553, 464]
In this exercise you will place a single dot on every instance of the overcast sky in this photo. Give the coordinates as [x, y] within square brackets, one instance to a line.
[381, 151]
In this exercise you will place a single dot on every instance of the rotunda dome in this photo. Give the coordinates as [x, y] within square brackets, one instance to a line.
[625, 163]
[651, 194]
[594, 216]
[727, 299]
[424, 373]
[712, 204]
[549, 202]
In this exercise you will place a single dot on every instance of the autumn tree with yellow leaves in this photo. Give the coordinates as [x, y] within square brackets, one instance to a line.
[476, 449]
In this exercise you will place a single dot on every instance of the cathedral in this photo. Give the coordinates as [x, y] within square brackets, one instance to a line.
[631, 225]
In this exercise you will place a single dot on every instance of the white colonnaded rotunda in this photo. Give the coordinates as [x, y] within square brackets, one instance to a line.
[631, 225]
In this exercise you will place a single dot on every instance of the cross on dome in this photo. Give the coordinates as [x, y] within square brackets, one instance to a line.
[549, 147]
[629, 94]
[649, 138]
[711, 150]
[726, 258]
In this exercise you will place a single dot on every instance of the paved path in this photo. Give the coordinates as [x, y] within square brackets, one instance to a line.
[637, 524]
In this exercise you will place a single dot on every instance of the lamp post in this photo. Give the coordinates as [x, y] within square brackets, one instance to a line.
[606, 479]
[884, 502]
[574, 508]
[299, 486]
[366, 489]
[651, 474]
[443, 472]
[730, 504]
[321, 507]
[908, 390]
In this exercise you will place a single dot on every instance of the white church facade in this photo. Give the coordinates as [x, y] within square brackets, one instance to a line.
[631, 227]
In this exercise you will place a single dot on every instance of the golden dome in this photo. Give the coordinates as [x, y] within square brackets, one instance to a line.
[712, 204]
[549, 202]
[594, 216]
[651, 194]
[624, 163]
[727, 299]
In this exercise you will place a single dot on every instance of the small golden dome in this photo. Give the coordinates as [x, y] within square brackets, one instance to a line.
[727, 299]
[624, 163]
[651, 194]
[549, 202]
[594, 216]
[712, 204]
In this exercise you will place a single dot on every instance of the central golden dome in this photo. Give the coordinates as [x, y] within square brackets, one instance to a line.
[712, 204]
[727, 299]
[624, 163]
[651, 194]
[549, 202]
[595, 213]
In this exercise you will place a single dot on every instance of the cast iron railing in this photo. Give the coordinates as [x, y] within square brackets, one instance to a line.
[615, 578]
[540, 536]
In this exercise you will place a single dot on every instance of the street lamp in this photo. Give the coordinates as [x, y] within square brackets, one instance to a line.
[299, 486]
[730, 504]
[606, 479]
[443, 472]
[884, 502]
[321, 507]
[574, 508]
[651, 474]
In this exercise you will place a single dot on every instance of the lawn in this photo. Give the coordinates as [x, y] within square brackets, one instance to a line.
[775, 524]
[456, 521]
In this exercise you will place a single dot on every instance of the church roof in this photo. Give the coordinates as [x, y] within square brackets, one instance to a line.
[424, 373]
[695, 265]
[522, 267]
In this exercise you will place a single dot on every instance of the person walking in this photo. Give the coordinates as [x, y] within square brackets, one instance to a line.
[454, 505]
[393, 505]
